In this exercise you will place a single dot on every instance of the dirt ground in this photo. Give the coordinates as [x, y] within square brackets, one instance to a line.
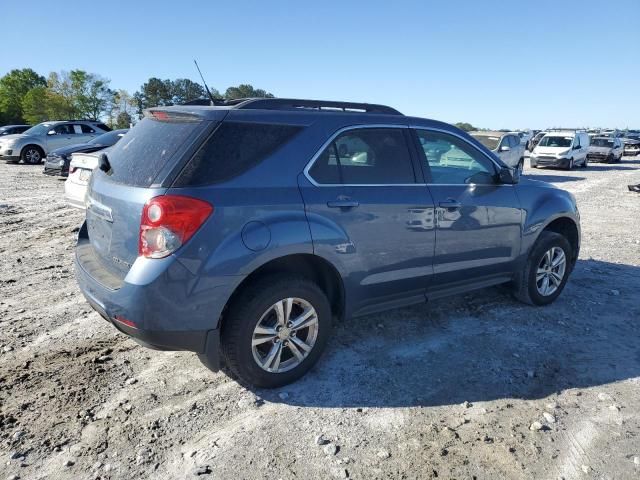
[451, 389]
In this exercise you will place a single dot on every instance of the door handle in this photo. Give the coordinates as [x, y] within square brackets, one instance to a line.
[343, 203]
[450, 203]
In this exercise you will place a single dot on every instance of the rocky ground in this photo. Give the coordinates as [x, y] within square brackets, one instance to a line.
[475, 386]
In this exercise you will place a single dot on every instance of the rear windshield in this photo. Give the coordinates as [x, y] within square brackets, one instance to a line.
[233, 149]
[490, 142]
[139, 157]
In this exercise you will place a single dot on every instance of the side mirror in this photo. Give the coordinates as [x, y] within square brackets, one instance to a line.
[504, 148]
[510, 176]
[51, 132]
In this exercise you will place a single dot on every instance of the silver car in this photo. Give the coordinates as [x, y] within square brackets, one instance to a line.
[80, 169]
[34, 144]
[506, 145]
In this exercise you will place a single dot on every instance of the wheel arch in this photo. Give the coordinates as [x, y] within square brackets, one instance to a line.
[308, 265]
[33, 144]
[568, 228]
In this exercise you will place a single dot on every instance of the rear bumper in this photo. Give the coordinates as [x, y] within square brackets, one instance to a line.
[160, 303]
[74, 194]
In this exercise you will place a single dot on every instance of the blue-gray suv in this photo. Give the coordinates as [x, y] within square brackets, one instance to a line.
[242, 231]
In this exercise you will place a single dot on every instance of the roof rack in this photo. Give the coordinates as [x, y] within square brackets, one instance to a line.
[298, 104]
[566, 130]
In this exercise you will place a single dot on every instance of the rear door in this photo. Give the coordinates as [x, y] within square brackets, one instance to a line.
[64, 135]
[115, 200]
[478, 221]
[371, 215]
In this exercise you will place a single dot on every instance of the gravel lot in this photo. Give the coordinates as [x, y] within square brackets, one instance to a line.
[475, 386]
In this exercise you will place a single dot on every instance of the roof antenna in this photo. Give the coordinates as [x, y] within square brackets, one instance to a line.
[213, 102]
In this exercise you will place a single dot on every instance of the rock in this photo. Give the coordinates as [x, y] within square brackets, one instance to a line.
[97, 466]
[130, 381]
[69, 463]
[586, 468]
[614, 292]
[466, 404]
[383, 454]
[17, 435]
[320, 440]
[549, 418]
[13, 477]
[614, 408]
[203, 470]
[330, 449]
[144, 456]
[283, 395]
[604, 397]
[551, 406]
[103, 359]
[22, 310]
[636, 460]
[16, 455]
[7, 349]
[535, 426]
[340, 473]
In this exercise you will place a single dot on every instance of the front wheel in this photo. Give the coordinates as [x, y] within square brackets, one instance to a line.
[276, 330]
[546, 271]
[570, 165]
[520, 166]
[32, 155]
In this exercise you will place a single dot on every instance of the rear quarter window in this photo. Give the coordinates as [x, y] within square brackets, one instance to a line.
[233, 149]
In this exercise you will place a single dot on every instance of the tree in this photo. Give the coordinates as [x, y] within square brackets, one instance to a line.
[13, 88]
[91, 93]
[467, 127]
[245, 90]
[123, 120]
[183, 90]
[34, 105]
[154, 93]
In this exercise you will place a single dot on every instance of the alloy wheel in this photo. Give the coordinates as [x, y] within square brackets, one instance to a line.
[33, 156]
[285, 335]
[551, 270]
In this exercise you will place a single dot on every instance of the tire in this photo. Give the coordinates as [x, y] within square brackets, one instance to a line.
[585, 163]
[570, 166]
[32, 155]
[257, 306]
[520, 166]
[527, 288]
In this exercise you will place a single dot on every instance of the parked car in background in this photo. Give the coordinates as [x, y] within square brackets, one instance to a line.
[57, 161]
[631, 146]
[80, 170]
[35, 143]
[248, 209]
[605, 149]
[561, 148]
[507, 146]
[531, 144]
[13, 129]
[525, 136]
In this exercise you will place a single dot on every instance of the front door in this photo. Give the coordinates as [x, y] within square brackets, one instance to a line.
[478, 220]
[370, 216]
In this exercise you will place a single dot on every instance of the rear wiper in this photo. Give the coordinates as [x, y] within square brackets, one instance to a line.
[103, 164]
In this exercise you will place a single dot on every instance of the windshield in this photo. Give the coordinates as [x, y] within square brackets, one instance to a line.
[40, 129]
[108, 139]
[601, 142]
[553, 141]
[490, 142]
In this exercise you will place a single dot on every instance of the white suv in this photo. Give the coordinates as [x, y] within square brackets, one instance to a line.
[34, 144]
[561, 148]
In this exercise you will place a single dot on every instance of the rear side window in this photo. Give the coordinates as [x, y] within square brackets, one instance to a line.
[233, 149]
[102, 126]
[367, 156]
[139, 157]
[87, 128]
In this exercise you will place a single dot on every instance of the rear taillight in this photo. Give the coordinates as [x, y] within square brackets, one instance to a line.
[168, 222]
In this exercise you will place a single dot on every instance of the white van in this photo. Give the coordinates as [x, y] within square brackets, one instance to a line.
[561, 148]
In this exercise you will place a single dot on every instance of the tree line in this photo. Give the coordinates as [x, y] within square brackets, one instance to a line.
[28, 97]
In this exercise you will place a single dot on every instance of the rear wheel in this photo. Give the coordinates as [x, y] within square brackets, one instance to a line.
[32, 155]
[276, 330]
[546, 272]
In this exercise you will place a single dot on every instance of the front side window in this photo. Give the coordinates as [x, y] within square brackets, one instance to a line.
[451, 160]
[65, 129]
[515, 141]
[366, 156]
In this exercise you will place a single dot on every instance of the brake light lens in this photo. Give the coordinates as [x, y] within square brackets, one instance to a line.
[168, 222]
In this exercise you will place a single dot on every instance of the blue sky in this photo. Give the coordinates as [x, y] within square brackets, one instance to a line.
[494, 64]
